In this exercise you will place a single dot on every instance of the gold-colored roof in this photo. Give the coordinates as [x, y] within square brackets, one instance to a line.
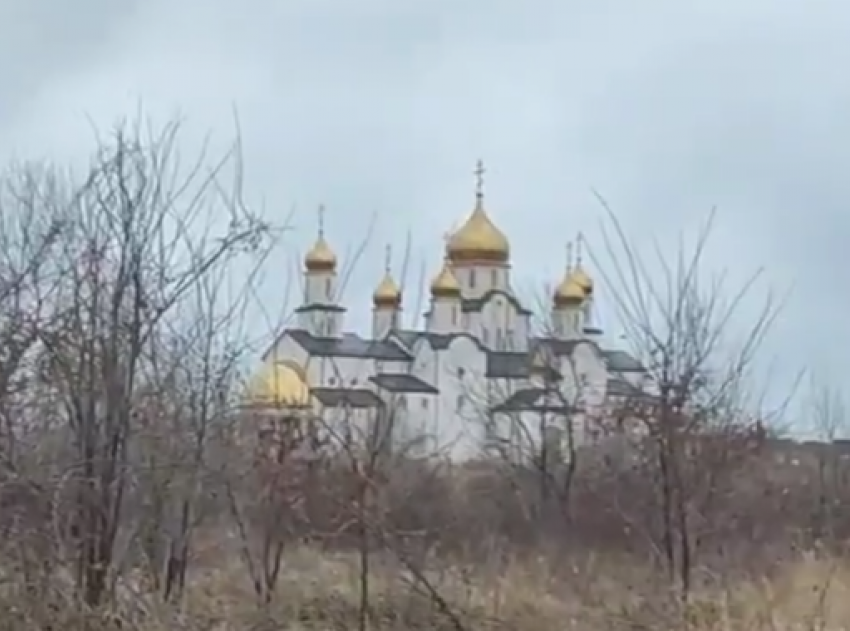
[320, 257]
[569, 291]
[387, 293]
[279, 384]
[445, 283]
[479, 240]
[583, 279]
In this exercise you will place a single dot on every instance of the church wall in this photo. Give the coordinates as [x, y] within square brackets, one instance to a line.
[339, 372]
[502, 320]
[320, 323]
[477, 280]
[353, 427]
[391, 367]
[585, 376]
[461, 375]
[413, 434]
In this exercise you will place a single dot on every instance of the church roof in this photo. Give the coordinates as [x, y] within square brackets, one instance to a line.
[474, 305]
[500, 364]
[532, 400]
[321, 307]
[349, 345]
[347, 397]
[402, 382]
[621, 361]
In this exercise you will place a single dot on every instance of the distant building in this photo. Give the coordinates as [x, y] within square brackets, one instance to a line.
[474, 377]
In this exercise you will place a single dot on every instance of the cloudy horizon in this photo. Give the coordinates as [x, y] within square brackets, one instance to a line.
[380, 109]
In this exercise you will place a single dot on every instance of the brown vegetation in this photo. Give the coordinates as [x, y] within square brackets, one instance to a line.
[131, 499]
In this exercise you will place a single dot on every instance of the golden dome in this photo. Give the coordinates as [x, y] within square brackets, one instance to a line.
[445, 284]
[387, 293]
[479, 240]
[583, 279]
[320, 258]
[280, 384]
[569, 292]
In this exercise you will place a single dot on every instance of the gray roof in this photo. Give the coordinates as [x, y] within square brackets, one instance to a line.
[395, 382]
[500, 364]
[530, 400]
[507, 365]
[476, 304]
[349, 345]
[320, 307]
[621, 361]
[347, 397]
[557, 346]
[437, 341]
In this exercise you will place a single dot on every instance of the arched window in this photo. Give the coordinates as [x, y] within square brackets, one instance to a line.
[472, 279]
[494, 278]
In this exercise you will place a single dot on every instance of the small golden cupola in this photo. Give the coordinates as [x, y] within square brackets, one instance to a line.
[387, 294]
[479, 240]
[445, 283]
[570, 291]
[320, 258]
[279, 385]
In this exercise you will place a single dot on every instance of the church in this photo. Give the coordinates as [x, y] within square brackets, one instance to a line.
[475, 378]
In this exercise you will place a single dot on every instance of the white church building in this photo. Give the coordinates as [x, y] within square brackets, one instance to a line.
[475, 378]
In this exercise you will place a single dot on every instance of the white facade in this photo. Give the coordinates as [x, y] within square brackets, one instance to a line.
[476, 378]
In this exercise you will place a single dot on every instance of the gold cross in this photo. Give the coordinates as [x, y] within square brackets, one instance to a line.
[479, 178]
[321, 220]
[579, 242]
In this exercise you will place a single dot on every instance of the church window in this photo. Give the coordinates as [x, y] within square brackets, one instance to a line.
[472, 279]
[424, 403]
[332, 380]
[454, 316]
[328, 288]
[494, 277]
[509, 338]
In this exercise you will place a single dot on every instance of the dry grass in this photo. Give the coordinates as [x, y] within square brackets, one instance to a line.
[321, 591]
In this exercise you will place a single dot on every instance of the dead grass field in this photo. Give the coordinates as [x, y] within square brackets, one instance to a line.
[321, 590]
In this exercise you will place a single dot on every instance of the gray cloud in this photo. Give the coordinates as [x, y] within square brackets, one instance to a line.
[667, 108]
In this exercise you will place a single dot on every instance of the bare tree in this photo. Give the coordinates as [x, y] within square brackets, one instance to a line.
[694, 415]
[829, 416]
[135, 242]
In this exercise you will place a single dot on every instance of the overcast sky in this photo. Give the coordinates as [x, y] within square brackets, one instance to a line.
[379, 106]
